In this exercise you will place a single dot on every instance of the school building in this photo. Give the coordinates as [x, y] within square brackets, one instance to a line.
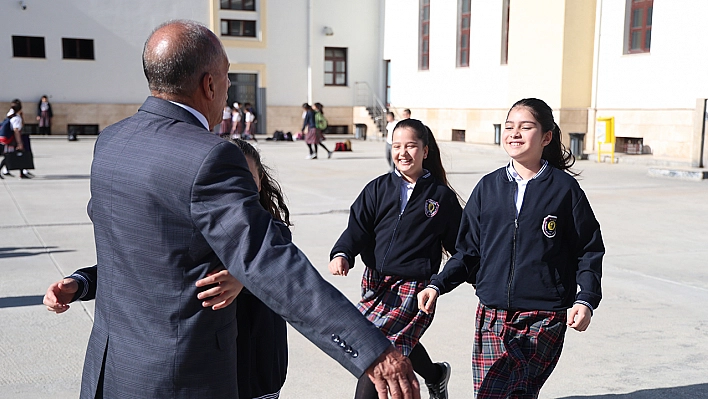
[457, 64]
[86, 56]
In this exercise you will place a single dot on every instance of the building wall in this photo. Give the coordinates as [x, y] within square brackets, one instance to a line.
[653, 95]
[279, 55]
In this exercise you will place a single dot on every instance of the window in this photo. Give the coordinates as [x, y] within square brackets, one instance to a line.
[77, 49]
[458, 135]
[463, 33]
[237, 27]
[505, 33]
[424, 50]
[335, 68]
[640, 14]
[243, 5]
[28, 46]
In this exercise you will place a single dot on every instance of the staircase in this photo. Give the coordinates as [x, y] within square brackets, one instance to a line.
[366, 97]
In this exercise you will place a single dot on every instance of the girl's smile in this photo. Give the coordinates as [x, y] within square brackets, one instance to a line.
[408, 153]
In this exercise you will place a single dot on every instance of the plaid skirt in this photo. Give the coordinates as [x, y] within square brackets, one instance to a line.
[391, 304]
[514, 353]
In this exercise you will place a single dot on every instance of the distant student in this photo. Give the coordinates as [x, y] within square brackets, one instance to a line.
[528, 238]
[400, 225]
[406, 113]
[390, 125]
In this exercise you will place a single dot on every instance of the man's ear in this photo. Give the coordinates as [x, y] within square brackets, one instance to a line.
[208, 86]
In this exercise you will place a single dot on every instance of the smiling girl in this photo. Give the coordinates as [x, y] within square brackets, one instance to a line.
[528, 238]
[399, 225]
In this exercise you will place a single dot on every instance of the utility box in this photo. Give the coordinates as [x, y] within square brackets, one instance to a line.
[605, 134]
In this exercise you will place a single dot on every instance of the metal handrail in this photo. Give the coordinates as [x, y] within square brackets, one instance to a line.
[371, 101]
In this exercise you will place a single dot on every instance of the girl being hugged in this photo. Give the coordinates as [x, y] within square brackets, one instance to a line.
[400, 224]
[528, 238]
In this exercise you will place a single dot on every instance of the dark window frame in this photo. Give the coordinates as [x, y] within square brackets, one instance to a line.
[234, 5]
[639, 26]
[28, 47]
[424, 36]
[334, 58]
[463, 32]
[241, 22]
[77, 49]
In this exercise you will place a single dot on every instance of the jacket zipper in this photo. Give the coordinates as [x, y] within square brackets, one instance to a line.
[395, 228]
[390, 244]
[513, 248]
[513, 262]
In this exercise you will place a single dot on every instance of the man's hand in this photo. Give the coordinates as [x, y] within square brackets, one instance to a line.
[339, 266]
[579, 317]
[223, 294]
[393, 373]
[426, 300]
[59, 294]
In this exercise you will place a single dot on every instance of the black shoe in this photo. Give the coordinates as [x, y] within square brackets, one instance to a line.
[329, 154]
[439, 390]
[30, 174]
[25, 176]
[8, 174]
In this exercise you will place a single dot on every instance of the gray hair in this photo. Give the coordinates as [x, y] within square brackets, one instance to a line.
[179, 68]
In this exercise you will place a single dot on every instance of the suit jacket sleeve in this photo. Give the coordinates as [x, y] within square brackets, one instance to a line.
[463, 265]
[243, 235]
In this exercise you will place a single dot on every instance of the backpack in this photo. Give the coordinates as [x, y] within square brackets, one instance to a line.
[320, 121]
[7, 133]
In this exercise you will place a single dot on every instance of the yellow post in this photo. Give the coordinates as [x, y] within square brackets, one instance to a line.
[605, 134]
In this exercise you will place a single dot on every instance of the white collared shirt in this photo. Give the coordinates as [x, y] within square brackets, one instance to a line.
[194, 112]
[521, 183]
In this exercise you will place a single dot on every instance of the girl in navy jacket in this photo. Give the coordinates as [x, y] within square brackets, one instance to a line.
[399, 225]
[528, 238]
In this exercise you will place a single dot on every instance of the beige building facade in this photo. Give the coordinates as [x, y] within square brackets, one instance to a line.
[283, 53]
[460, 65]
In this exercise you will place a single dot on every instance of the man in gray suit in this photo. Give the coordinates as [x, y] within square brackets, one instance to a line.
[171, 202]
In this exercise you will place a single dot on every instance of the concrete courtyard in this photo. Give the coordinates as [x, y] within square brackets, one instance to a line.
[648, 339]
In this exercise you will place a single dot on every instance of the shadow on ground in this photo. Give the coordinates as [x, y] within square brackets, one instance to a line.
[18, 301]
[63, 177]
[18, 252]
[685, 392]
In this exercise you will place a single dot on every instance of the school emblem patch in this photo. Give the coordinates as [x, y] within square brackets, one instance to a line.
[431, 207]
[549, 226]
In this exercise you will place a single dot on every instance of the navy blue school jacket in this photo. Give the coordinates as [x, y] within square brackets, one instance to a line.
[534, 261]
[407, 244]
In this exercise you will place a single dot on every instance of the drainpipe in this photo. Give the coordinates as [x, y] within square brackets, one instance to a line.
[309, 51]
[703, 133]
[596, 67]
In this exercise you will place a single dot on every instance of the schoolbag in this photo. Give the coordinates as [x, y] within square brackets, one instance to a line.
[6, 131]
[320, 121]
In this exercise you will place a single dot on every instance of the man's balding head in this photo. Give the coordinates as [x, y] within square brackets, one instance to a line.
[177, 55]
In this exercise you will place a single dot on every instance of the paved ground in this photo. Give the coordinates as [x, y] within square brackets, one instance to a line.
[648, 339]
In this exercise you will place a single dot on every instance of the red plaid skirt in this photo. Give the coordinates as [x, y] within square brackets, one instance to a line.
[391, 304]
[514, 353]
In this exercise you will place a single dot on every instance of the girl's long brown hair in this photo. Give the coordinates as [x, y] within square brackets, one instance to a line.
[271, 195]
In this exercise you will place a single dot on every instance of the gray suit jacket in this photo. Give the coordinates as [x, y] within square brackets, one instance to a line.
[169, 202]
